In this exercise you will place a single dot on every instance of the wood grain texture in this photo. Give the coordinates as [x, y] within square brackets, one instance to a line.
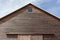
[24, 22]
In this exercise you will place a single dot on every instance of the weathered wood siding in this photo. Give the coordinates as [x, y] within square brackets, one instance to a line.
[24, 22]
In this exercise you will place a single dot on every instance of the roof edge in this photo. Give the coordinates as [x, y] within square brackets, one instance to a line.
[34, 6]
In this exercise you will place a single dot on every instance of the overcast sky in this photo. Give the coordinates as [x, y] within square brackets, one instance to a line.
[8, 6]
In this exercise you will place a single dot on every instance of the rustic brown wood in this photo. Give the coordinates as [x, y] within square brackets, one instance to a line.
[24, 37]
[30, 37]
[37, 37]
[37, 22]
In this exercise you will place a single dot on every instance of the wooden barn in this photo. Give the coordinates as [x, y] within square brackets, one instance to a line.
[30, 23]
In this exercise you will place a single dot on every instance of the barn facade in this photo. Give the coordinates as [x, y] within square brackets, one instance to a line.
[29, 23]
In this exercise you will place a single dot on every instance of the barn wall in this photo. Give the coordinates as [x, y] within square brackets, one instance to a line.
[36, 22]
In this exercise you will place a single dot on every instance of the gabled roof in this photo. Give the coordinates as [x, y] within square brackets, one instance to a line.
[38, 26]
[33, 6]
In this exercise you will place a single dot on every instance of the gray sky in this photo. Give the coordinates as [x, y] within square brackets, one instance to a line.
[8, 6]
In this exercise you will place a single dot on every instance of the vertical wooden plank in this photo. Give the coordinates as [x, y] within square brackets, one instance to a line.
[24, 37]
[30, 37]
[37, 37]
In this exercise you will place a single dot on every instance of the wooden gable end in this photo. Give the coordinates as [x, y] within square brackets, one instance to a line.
[25, 22]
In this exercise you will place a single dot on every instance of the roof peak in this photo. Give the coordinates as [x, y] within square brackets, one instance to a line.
[35, 7]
